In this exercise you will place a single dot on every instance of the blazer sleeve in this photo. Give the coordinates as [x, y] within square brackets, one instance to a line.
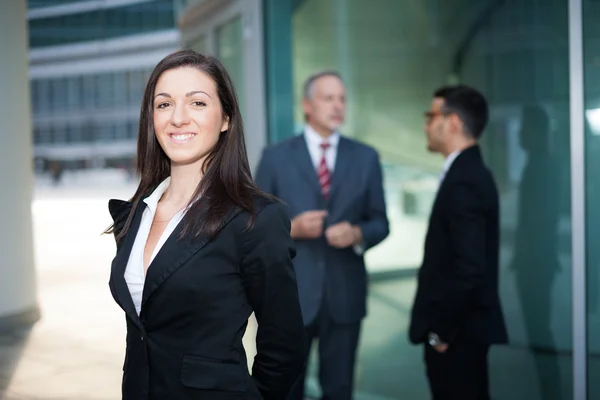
[467, 239]
[271, 287]
[265, 178]
[374, 225]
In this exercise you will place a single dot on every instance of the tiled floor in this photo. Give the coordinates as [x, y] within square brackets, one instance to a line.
[76, 350]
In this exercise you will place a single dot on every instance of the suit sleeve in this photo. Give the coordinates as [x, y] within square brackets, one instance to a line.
[265, 178]
[467, 241]
[374, 225]
[270, 284]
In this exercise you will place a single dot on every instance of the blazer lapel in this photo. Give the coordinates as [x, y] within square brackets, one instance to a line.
[302, 159]
[120, 210]
[342, 163]
[174, 254]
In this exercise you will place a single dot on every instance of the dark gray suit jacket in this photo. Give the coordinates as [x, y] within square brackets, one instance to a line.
[356, 196]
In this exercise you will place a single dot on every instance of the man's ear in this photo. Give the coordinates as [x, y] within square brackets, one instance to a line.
[225, 125]
[306, 107]
[456, 121]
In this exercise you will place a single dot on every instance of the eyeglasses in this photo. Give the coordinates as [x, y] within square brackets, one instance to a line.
[430, 115]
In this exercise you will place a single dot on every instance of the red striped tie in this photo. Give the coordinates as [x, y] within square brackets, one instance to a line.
[323, 172]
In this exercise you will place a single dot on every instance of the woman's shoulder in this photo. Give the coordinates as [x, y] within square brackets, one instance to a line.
[269, 207]
[266, 211]
[119, 211]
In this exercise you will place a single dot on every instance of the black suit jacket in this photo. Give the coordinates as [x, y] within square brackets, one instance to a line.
[457, 296]
[198, 296]
[287, 171]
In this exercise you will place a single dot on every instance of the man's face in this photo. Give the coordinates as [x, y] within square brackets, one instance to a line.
[436, 126]
[325, 109]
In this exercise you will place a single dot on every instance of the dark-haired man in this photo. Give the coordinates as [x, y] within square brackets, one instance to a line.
[457, 312]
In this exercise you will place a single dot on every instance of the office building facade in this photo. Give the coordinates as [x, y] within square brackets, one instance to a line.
[89, 62]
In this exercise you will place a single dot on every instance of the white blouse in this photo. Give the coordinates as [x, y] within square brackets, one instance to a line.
[134, 272]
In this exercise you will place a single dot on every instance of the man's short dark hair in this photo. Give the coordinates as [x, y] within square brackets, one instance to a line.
[468, 104]
[310, 82]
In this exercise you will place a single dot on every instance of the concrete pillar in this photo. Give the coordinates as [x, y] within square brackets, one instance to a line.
[18, 303]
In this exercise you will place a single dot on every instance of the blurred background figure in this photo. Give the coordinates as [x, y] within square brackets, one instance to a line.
[333, 186]
[457, 314]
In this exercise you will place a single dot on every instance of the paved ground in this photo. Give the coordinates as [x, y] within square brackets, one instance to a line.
[76, 350]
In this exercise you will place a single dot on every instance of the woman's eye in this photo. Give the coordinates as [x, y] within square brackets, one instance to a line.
[199, 103]
[162, 105]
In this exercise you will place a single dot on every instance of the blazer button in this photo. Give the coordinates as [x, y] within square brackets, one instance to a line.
[142, 337]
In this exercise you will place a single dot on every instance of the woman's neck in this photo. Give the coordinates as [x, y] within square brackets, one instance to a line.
[184, 182]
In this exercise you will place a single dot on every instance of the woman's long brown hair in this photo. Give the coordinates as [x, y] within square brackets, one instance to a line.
[227, 180]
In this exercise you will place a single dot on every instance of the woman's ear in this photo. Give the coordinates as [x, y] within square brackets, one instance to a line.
[225, 125]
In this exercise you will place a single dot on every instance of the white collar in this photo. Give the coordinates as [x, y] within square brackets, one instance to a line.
[154, 198]
[315, 139]
[449, 160]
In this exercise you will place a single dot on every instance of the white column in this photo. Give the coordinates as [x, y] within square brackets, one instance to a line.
[18, 303]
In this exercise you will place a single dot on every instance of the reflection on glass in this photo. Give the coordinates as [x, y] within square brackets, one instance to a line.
[536, 251]
[392, 56]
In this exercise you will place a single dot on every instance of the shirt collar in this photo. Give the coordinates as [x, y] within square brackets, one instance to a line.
[449, 160]
[314, 139]
[154, 198]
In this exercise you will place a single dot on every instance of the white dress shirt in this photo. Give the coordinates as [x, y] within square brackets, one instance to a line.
[314, 141]
[448, 163]
[134, 272]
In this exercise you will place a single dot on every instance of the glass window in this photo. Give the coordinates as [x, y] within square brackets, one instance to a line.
[58, 94]
[89, 92]
[392, 57]
[105, 90]
[132, 130]
[88, 131]
[42, 97]
[591, 31]
[73, 134]
[102, 23]
[135, 85]
[49, 3]
[34, 89]
[120, 89]
[60, 133]
[37, 135]
[73, 90]
[230, 50]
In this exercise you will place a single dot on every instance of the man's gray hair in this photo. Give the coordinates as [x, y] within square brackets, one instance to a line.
[309, 85]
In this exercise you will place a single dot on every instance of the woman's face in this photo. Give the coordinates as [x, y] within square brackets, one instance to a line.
[188, 118]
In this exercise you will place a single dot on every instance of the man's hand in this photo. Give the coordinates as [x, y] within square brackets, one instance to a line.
[308, 225]
[437, 344]
[441, 348]
[342, 235]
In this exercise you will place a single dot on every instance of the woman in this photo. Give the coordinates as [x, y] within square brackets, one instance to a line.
[199, 248]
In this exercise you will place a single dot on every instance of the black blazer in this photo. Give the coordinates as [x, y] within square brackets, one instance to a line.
[457, 296]
[198, 296]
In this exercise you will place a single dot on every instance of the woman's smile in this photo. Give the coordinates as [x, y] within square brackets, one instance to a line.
[181, 137]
